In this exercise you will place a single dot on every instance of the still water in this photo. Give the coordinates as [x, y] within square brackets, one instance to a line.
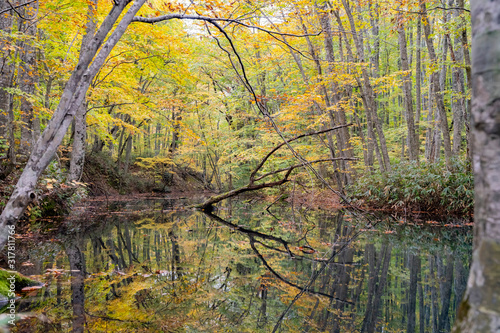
[151, 266]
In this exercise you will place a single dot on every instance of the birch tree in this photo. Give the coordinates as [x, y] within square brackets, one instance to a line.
[480, 311]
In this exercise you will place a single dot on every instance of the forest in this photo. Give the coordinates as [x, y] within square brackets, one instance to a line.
[350, 111]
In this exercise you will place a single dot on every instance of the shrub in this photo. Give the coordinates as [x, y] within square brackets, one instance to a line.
[422, 187]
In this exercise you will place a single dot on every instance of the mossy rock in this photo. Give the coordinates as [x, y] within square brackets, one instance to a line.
[21, 282]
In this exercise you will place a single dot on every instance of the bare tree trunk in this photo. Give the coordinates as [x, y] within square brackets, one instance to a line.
[6, 71]
[176, 117]
[367, 88]
[412, 145]
[429, 137]
[418, 84]
[128, 152]
[479, 311]
[443, 121]
[458, 100]
[79, 142]
[28, 78]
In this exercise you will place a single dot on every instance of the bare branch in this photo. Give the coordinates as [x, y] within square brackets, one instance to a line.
[108, 105]
[301, 165]
[252, 176]
[252, 235]
[14, 8]
[167, 17]
[435, 8]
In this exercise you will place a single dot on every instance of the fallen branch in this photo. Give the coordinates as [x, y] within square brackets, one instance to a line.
[252, 175]
[207, 205]
[251, 186]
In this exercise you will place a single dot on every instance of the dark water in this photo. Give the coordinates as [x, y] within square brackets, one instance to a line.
[150, 266]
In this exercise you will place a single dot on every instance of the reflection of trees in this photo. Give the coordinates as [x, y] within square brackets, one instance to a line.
[257, 237]
[77, 267]
[414, 263]
[135, 261]
[378, 267]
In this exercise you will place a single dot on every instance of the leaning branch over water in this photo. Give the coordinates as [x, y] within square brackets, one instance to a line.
[254, 235]
[251, 186]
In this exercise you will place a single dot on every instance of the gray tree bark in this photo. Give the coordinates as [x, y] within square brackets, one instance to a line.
[73, 95]
[480, 310]
[412, 145]
[418, 84]
[80, 135]
[467, 63]
[443, 121]
[6, 70]
[28, 78]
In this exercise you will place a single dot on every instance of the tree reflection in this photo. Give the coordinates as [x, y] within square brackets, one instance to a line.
[152, 269]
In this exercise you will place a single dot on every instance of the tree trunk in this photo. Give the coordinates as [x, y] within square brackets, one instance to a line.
[443, 120]
[367, 88]
[418, 85]
[28, 78]
[79, 143]
[6, 68]
[80, 135]
[6, 78]
[412, 145]
[480, 311]
[128, 153]
[73, 95]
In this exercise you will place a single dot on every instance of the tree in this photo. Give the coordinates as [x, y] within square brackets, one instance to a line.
[480, 311]
[91, 59]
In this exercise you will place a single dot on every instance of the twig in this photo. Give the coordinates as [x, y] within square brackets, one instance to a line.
[167, 17]
[435, 8]
[19, 6]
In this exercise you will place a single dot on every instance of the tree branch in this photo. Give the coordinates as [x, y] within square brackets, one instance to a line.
[14, 8]
[252, 176]
[152, 20]
[435, 8]
[301, 165]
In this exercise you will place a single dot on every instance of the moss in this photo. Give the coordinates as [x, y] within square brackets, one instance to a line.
[21, 282]
[463, 310]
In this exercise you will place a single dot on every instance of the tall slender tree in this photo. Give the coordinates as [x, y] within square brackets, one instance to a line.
[480, 311]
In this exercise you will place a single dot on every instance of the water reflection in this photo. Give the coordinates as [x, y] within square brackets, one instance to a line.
[145, 267]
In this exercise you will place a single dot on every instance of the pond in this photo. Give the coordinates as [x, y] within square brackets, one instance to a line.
[151, 266]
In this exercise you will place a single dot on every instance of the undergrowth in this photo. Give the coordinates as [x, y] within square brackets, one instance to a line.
[102, 177]
[420, 187]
